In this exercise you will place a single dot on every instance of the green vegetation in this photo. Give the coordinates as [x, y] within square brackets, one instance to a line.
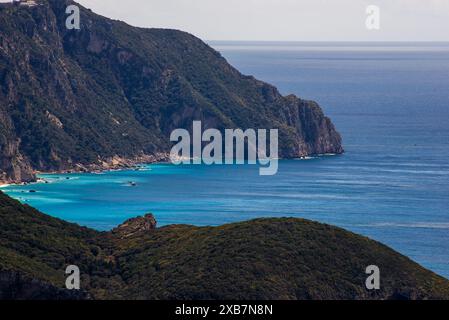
[260, 259]
[73, 97]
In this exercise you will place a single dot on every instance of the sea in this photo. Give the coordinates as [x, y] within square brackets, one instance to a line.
[389, 101]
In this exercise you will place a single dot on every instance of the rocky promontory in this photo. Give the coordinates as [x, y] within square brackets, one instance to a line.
[75, 99]
[135, 226]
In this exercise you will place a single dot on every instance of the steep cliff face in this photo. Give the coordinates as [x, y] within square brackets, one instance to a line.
[80, 97]
[13, 165]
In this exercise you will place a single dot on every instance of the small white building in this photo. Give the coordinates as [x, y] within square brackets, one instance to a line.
[28, 3]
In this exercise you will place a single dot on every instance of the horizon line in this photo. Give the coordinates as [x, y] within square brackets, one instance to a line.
[339, 41]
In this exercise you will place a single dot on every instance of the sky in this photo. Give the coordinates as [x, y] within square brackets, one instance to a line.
[285, 20]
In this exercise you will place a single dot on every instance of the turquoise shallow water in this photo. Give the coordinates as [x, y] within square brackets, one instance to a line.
[391, 104]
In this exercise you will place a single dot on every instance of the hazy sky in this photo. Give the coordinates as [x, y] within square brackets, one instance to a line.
[292, 20]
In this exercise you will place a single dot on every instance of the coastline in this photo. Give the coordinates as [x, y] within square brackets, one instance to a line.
[113, 163]
[116, 163]
[103, 165]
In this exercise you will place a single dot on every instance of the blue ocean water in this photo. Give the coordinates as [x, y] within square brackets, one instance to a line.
[389, 101]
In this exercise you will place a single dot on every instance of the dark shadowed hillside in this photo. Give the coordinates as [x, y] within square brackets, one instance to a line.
[110, 92]
[260, 259]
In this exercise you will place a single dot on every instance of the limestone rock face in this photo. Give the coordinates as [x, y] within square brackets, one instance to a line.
[135, 226]
[14, 167]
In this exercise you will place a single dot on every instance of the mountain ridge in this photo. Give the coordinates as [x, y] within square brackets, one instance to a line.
[77, 99]
[285, 258]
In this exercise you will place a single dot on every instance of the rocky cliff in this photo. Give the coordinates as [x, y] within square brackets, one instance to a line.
[75, 98]
[139, 225]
